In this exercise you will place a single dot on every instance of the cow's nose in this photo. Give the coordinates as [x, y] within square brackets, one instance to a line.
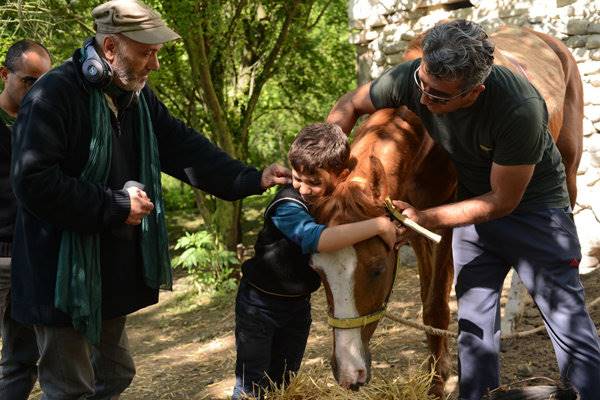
[362, 377]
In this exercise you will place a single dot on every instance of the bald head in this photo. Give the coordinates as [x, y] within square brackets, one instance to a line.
[16, 53]
[25, 62]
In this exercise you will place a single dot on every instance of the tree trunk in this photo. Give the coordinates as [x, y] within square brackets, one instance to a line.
[226, 221]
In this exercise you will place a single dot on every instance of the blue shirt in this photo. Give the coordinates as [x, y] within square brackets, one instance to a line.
[298, 226]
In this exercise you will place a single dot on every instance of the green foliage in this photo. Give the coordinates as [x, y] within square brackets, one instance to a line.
[248, 74]
[177, 196]
[207, 261]
[59, 25]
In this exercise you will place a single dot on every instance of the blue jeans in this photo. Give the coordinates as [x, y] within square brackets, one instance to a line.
[543, 248]
[18, 364]
[270, 337]
[72, 369]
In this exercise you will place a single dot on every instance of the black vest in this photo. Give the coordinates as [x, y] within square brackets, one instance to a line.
[278, 266]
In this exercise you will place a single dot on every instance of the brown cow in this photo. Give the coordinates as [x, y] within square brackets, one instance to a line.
[397, 158]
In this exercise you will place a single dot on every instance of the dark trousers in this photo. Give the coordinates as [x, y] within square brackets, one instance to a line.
[270, 336]
[544, 250]
[18, 364]
[72, 369]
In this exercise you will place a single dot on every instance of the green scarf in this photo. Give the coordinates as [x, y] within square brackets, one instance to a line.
[78, 290]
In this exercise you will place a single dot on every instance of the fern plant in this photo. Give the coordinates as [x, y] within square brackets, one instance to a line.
[209, 263]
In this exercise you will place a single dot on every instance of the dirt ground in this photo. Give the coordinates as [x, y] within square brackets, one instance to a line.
[184, 346]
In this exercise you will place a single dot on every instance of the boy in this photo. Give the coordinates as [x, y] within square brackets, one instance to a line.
[273, 301]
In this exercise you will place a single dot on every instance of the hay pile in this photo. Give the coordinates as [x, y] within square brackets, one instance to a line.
[309, 385]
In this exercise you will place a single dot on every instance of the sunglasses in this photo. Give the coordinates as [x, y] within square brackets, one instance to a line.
[27, 80]
[432, 97]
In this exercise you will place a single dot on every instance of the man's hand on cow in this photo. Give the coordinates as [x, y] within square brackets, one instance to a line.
[412, 213]
[275, 174]
[140, 205]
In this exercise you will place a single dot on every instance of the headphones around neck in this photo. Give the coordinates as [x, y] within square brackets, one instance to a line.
[96, 71]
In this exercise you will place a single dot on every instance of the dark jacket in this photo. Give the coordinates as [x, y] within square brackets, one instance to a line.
[278, 266]
[51, 146]
[8, 203]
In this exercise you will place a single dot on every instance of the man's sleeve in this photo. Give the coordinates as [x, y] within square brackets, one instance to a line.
[298, 226]
[521, 139]
[189, 156]
[392, 89]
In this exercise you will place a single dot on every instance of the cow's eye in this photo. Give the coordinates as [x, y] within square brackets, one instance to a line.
[377, 270]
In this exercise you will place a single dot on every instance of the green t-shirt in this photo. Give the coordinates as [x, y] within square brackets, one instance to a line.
[507, 124]
[7, 119]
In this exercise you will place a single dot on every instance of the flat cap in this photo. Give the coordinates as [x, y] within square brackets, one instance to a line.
[133, 19]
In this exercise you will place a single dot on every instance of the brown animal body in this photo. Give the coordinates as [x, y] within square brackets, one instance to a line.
[397, 158]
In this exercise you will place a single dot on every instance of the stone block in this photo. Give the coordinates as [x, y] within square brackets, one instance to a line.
[370, 35]
[562, 3]
[591, 95]
[389, 29]
[595, 54]
[394, 59]
[588, 127]
[536, 20]
[512, 11]
[593, 42]
[593, 80]
[375, 21]
[517, 20]
[389, 5]
[407, 36]
[584, 163]
[589, 68]
[581, 55]
[593, 27]
[588, 229]
[576, 41]
[360, 9]
[592, 112]
[577, 27]
[376, 71]
[394, 48]
[379, 58]
[593, 149]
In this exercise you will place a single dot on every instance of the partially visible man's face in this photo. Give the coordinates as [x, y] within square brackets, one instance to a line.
[454, 91]
[132, 62]
[32, 65]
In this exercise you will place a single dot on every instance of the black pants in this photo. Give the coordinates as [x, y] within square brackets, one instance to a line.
[270, 337]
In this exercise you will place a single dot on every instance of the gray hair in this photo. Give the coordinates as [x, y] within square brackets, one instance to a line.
[458, 50]
[101, 36]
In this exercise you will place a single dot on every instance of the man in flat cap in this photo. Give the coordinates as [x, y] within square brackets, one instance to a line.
[90, 241]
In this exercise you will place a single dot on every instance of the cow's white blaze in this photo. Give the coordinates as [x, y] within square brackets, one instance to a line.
[338, 268]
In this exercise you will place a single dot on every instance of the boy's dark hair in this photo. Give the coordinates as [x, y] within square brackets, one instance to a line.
[16, 51]
[320, 146]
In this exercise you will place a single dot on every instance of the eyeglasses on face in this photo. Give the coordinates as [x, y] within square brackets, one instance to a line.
[27, 80]
[432, 97]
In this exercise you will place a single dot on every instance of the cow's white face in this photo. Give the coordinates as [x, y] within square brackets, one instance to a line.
[350, 360]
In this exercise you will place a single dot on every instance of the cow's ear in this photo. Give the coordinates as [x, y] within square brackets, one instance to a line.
[379, 187]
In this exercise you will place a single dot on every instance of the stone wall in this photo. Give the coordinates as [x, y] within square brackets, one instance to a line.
[382, 29]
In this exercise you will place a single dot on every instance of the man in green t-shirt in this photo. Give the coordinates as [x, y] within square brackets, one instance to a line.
[25, 62]
[513, 207]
